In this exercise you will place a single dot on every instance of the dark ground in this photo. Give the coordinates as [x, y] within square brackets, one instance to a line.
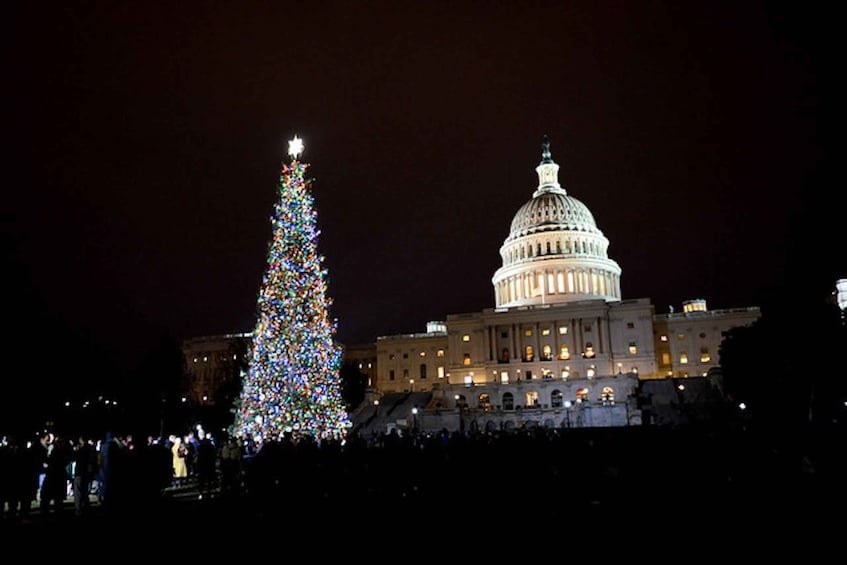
[654, 487]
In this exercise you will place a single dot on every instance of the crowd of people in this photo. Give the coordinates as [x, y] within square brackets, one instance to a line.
[41, 475]
[615, 469]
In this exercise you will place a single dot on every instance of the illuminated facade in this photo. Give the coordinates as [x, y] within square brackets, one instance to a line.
[561, 347]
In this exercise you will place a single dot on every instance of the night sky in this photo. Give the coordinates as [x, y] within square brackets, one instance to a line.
[145, 140]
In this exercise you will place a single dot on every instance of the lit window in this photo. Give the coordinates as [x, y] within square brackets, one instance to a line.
[485, 401]
[680, 336]
[205, 359]
[467, 359]
[608, 394]
[565, 373]
[441, 371]
[666, 358]
[545, 331]
[590, 372]
[564, 352]
[195, 359]
[469, 379]
[504, 376]
[439, 353]
[563, 330]
[527, 333]
[634, 370]
[589, 350]
[705, 357]
[422, 354]
[547, 352]
[466, 337]
[663, 337]
[683, 358]
[633, 349]
[528, 352]
[582, 395]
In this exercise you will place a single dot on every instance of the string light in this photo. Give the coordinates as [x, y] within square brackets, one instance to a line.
[293, 382]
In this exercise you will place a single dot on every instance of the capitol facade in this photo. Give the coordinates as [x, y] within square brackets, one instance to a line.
[560, 348]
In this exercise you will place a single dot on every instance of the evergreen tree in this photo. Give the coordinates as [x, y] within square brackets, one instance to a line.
[293, 383]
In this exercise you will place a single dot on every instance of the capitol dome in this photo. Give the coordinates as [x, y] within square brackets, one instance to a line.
[554, 252]
[552, 210]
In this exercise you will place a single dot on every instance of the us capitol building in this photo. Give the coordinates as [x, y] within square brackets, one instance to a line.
[561, 347]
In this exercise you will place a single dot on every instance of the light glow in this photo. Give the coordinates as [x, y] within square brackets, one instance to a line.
[295, 147]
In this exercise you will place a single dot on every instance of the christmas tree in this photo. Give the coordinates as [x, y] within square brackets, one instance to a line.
[293, 382]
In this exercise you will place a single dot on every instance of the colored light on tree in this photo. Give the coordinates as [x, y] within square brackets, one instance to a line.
[293, 383]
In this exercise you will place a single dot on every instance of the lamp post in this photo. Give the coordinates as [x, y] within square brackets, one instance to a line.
[414, 420]
[456, 398]
[567, 413]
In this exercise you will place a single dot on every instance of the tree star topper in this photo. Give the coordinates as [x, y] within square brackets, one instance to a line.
[295, 147]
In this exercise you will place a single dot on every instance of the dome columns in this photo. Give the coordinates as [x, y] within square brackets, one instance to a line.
[551, 285]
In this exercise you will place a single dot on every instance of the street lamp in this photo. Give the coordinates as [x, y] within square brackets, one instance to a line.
[414, 419]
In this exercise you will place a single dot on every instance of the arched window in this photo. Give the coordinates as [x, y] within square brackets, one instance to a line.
[556, 399]
[485, 401]
[547, 353]
[589, 350]
[508, 401]
[582, 395]
[528, 353]
[564, 352]
[608, 394]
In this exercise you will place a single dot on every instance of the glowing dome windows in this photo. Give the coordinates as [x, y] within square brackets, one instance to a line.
[554, 252]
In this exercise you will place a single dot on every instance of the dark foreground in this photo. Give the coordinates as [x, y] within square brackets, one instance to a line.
[584, 488]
